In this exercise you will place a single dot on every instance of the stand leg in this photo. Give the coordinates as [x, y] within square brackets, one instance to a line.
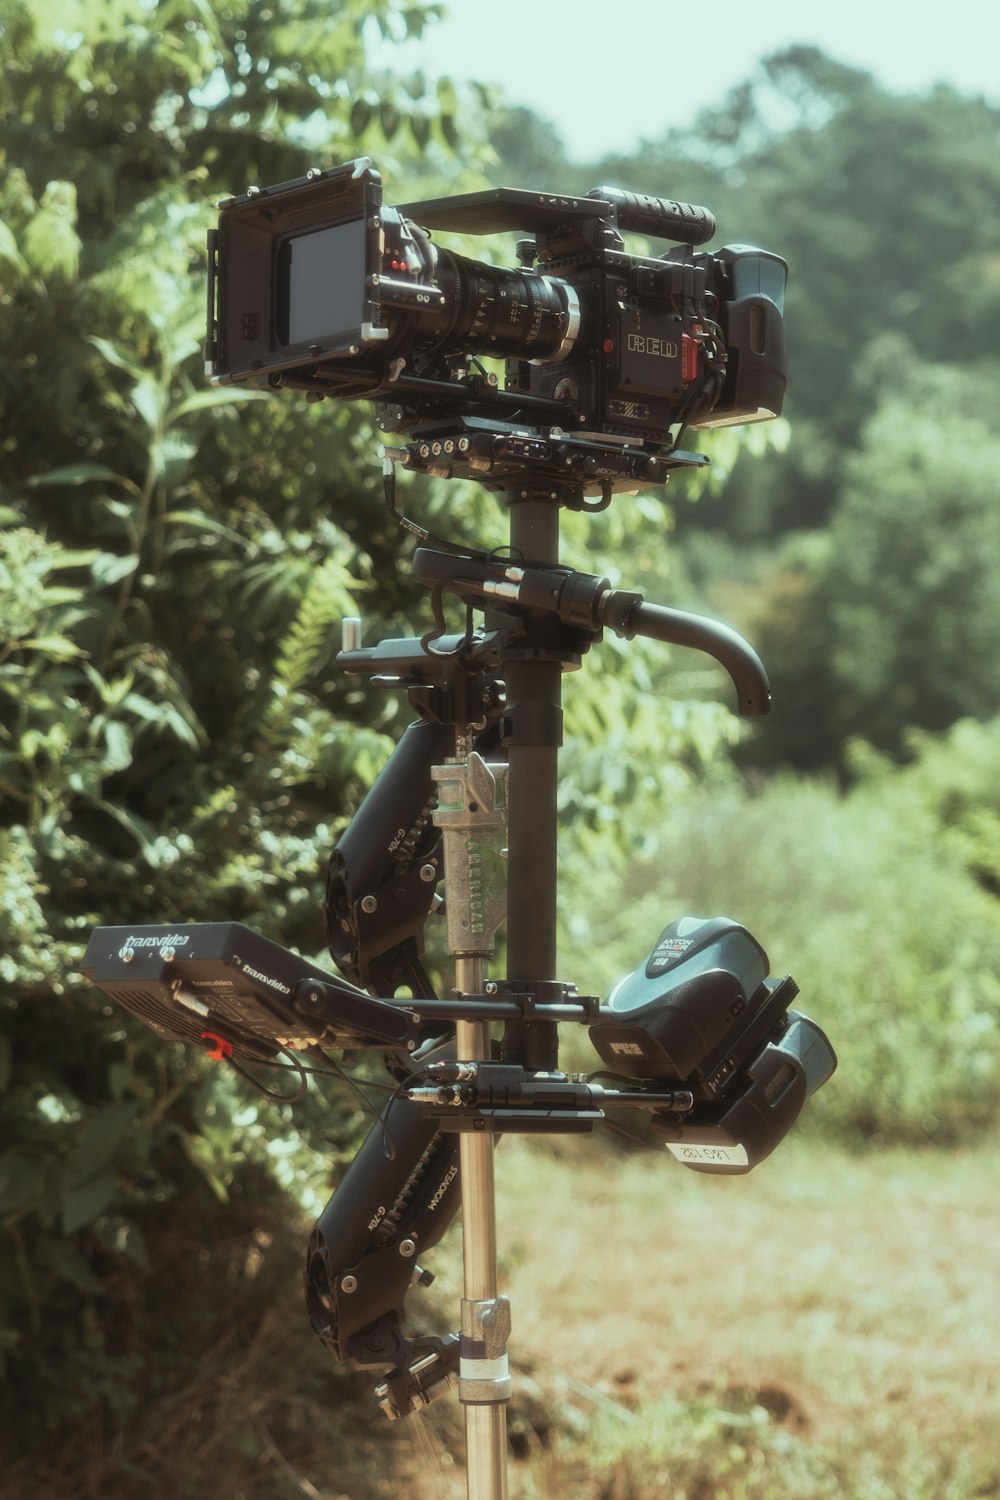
[484, 1385]
[470, 813]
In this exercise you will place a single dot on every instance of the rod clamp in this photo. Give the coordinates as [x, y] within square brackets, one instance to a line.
[484, 1376]
[472, 816]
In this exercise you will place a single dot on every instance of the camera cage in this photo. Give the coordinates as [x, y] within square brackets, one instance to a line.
[317, 285]
[330, 200]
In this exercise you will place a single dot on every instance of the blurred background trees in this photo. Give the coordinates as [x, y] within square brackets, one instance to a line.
[174, 743]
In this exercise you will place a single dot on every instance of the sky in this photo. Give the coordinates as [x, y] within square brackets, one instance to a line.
[610, 72]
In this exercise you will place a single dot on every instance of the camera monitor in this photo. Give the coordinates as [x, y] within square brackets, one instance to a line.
[221, 983]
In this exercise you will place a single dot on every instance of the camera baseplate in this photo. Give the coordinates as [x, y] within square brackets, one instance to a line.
[496, 453]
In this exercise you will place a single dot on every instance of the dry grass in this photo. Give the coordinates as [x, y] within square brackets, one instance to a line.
[847, 1309]
[827, 1328]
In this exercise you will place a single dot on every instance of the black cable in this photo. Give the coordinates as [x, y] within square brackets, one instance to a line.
[336, 1071]
[415, 529]
[332, 1070]
[592, 509]
[269, 1094]
[440, 626]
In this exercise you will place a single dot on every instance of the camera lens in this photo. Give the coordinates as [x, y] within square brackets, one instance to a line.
[498, 312]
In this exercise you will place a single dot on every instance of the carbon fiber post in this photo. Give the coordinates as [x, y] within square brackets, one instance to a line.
[533, 735]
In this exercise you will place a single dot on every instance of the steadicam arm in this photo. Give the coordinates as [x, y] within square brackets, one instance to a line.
[383, 872]
[396, 1200]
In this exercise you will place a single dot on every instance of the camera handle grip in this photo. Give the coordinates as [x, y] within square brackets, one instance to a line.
[678, 628]
[663, 217]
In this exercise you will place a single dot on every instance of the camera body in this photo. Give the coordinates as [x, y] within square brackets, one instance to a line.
[317, 285]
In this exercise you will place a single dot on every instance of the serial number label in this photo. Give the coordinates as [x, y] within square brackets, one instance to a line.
[719, 1156]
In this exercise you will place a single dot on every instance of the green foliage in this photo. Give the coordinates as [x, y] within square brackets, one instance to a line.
[797, 158]
[857, 555]
[891, 617]
[174, 741]
[174, 562]
[732, 1450]
[745, 1445]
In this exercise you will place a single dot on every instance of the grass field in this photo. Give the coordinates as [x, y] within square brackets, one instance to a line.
[827, 1326]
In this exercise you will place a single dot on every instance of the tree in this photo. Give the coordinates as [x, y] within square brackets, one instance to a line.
[174, 564]
[882, 205]
[173, 568]
[891, 619]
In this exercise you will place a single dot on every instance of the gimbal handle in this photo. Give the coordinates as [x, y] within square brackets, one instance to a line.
[587, 603]
[678, 628]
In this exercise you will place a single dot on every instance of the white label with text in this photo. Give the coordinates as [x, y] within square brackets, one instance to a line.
[710, 1156]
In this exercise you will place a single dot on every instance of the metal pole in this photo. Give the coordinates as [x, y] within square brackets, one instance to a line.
[484, 1384]
[471, 813]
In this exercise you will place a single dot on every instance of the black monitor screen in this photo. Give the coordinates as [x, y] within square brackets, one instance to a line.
[321, 283]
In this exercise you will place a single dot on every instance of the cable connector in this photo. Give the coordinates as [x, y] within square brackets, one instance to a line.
[430, 1376]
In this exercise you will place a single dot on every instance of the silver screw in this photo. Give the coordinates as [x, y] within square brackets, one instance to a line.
[126, 955]
[168, 955]
[428, 873]
[348, 1283]
[491, 987]
[369, 904]
[407, 1248]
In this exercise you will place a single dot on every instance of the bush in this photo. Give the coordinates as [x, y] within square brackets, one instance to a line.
[173, 569]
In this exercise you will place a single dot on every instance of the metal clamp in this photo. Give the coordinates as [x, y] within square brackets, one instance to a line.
[472, 815]
[484, 1376]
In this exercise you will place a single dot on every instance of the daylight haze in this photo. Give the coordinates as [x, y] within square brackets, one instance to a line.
[608, 77]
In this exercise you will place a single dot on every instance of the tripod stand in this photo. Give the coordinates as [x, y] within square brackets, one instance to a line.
[540, 619]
